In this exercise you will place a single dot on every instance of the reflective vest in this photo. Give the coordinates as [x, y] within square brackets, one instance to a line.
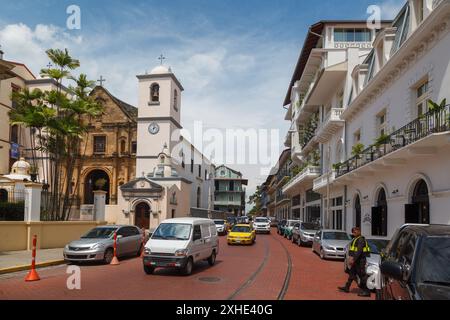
[354, 248]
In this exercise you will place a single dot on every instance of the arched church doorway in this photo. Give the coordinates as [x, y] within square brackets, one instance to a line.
[358, 212]
[419, 210]
[379, 215]
[142, 215]
[3, 195]
[96, 180]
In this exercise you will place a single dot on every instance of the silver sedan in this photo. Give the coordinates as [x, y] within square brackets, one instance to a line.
[330, 244]
[98, 244]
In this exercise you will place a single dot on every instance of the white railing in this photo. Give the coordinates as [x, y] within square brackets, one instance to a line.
[323, 180]
[309, 170]
[333, 115]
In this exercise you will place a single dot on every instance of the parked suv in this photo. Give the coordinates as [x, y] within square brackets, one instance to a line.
[304, 232]
[415, 265]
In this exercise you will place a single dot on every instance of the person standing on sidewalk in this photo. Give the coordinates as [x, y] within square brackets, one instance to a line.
[358, 252]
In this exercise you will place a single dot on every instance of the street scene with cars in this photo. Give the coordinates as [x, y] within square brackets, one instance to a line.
[232, 151]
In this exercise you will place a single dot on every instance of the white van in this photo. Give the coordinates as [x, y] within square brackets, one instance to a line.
[180, 243]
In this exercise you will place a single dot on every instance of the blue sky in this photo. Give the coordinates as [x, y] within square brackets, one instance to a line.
[234, 58]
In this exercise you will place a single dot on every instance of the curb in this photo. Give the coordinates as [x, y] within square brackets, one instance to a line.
[27, 267]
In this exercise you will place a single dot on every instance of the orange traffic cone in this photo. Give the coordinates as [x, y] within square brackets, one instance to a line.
[114, 260]
[32, 275]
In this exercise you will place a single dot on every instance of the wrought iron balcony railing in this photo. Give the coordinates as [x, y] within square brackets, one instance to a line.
[430, 123]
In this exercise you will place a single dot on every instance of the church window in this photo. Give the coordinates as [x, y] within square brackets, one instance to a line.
[154, 93]
[134, 147]
[192, 165]
[123, 146]
[199, 171]
[175, 100]
[198, 197]
[99, 144]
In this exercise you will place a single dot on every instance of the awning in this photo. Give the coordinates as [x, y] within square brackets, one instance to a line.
[326, 83]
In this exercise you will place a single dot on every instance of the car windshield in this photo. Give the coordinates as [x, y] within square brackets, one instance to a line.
[310, 226]
[376, 246]
[261, 220]
[220, 222]
[173, 231]
[243, 229]
[292, 223]
[434, 260]
[336, 236]
[100, 233]
[231, 220]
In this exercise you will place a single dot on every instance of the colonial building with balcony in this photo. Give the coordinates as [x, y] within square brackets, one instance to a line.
[229, 194]
[384, 147]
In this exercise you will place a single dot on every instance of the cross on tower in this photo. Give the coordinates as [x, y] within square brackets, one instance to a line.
[161, 58]
[101, 80]
[49, 65]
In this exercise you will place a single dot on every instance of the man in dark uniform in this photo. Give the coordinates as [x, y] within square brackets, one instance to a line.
[358, 251]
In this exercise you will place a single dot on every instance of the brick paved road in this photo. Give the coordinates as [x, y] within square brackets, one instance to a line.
[252, 272]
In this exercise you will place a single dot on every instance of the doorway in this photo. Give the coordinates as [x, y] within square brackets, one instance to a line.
[142, 216]
[419, 210]
[96, 180]
[358, 211]
[379, 215]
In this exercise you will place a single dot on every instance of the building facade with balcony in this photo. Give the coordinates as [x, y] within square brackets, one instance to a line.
[229, 194]
[384, 148]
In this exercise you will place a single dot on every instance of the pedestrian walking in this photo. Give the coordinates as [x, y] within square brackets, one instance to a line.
[358, 252]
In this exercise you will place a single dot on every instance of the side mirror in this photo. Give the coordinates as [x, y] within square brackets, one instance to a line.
[392, 269]
[119, 236]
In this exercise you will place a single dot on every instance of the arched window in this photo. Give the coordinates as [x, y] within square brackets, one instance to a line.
[379, 215]
[154, 93]
[175, 99]
[198, 197]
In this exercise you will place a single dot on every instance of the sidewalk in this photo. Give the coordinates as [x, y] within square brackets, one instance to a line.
[13, 261]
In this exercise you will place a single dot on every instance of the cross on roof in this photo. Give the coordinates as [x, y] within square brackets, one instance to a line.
[161, 58]
[101, 80]
[49, 65]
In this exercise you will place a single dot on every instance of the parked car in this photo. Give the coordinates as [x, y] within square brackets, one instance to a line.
[304, 232]
[261, 224]
[221, 226]
[280, 226]
[415, 265]
[330, 244]
[241, 234]
[273, 222]
[373, 263]
[181, 243]
[98, 244]
[287, 229]
[231, 221]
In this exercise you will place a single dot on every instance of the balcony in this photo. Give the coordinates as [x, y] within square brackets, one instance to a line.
[282, 198]
[307, 175]
[421, 137]
[330, 125]
[309, 145]
[321, 182]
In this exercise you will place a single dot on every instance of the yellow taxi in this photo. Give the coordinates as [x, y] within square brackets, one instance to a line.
[241, 234]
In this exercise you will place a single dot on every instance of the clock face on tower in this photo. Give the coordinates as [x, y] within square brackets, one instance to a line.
[153, 128]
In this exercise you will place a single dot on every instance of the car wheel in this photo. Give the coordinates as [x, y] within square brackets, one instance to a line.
[109, 255]
[149, 269]
[187, 270]
[212, 258]
[321, 254]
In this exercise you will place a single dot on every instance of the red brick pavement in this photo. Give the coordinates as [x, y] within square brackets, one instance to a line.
[235, 269]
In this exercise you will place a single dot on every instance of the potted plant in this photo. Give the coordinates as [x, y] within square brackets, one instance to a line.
[434, 109]
[100, 183]
[357, 150]
[337, 166]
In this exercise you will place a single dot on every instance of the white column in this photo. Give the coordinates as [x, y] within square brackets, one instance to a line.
[33, 202]
[99, 205]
